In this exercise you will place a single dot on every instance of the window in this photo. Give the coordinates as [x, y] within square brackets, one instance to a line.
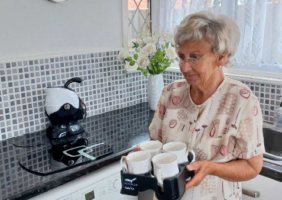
[139, 17]
[260, 48]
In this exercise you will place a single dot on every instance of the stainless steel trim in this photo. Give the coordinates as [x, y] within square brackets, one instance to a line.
[279, 163]
[250, 193]
[272, 157]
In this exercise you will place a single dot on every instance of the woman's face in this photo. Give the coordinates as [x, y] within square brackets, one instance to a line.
[197, 63]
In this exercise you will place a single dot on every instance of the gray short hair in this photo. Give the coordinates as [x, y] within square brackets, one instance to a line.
[221, 31]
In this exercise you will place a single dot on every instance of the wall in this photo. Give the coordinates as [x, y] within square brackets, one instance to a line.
[40, 45]
[263, 185]
[40, 27]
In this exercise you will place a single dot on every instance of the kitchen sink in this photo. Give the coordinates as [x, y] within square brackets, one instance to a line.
[273, 146]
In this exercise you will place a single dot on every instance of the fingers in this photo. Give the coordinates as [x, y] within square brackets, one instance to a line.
[199, 174]
[195, 181]
[193, 166]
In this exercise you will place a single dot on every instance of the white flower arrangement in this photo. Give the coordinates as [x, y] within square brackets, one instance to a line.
[149, 54]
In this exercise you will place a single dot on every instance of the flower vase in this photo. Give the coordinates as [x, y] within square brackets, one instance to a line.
[155, 87]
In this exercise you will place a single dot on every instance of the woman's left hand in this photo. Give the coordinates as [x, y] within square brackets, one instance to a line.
[201, 169]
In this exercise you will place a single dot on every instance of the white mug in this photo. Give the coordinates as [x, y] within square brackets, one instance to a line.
[180, 150]
[154, 147]
[137, 162]
[165, 166]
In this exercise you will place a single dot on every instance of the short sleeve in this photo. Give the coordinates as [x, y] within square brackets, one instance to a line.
[155, 127]
[249, 138]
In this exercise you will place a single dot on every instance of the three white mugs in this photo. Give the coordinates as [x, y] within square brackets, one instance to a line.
[165, 159]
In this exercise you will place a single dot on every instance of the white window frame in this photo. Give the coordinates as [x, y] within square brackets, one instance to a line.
[125, 24]
[125, 29]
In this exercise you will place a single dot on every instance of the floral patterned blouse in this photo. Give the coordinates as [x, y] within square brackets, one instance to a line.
[227, 126]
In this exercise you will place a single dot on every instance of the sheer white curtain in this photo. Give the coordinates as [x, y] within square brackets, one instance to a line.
[260, 22]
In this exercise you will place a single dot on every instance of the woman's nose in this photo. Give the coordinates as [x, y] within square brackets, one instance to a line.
[185, 67]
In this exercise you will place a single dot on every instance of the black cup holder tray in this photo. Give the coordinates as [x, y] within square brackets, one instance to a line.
[173, 187]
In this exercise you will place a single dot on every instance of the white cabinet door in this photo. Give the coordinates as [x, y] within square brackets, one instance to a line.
[269, 189]
[103, 184]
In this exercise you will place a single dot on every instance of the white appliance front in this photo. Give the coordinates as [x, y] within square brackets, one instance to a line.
[103, 184]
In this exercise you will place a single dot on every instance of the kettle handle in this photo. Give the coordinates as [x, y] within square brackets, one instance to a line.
[75, 79]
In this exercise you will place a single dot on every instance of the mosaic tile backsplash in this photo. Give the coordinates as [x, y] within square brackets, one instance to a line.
[268, 94]
[105, 88]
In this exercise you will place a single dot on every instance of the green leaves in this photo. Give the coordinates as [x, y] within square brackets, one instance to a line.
[143, 70]
[132, 63]
[150, 69]
[158, 62]
[158, 57]
[166, 45]
[136, 45]
[128, 59]
[135, 56]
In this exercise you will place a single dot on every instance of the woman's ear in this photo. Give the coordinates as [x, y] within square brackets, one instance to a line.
[222, 59]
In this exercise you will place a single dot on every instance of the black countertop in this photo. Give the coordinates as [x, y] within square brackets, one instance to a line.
[121, 129]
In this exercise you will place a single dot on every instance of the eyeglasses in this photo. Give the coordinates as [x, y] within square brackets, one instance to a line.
[191, 60]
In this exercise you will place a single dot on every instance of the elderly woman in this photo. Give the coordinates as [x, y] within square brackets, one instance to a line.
[219, 118]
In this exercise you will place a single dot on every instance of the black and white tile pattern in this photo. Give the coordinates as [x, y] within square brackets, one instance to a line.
[105, 88]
